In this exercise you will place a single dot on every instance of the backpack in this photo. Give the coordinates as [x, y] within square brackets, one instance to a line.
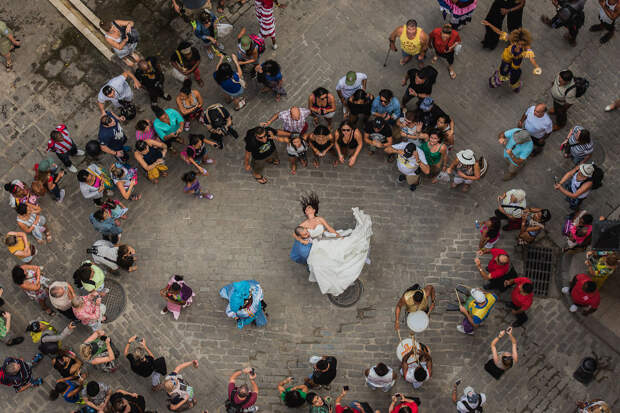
[581, 86]
[218, 120]
[597, 177]
[260, 43]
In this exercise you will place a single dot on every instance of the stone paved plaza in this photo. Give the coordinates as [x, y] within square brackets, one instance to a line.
[245, 233]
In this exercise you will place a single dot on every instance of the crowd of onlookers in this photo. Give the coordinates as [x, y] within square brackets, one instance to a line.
[414, 132]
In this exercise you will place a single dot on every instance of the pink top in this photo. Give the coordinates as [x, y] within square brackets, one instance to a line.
[90, 311]
[148, 134]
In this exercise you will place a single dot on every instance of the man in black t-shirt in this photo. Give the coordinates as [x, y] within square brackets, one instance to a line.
[260, 149]
[429, 113]
[377, 135]
[143, 362]
[324, 373]
[186, 60]
[151, 78]
[421, 83]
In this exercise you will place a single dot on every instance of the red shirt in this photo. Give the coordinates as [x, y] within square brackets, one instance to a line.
[340, 409]
[518, 299]
[580, 297]
[411, 405]
[438, 43]
[497, 270]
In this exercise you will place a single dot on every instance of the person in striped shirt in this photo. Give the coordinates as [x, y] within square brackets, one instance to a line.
[63, 146]
[578, 145]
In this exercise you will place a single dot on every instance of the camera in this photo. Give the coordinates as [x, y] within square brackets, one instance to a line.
[92, 250]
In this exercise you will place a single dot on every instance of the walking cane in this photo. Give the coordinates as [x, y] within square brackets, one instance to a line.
[399, 337]
[457, 296]
[387, 55]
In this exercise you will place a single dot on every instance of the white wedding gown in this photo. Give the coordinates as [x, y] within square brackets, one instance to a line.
[335, 263]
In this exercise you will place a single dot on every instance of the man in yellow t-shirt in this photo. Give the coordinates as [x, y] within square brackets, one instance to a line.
[413, 42]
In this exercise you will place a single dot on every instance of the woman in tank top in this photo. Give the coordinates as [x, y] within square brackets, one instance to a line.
[348, 141]
[189, 103]
[359, 105]
[322, 105]
[116, 36]
[321, 142]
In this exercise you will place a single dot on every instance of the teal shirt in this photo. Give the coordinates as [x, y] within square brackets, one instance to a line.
[521, 151]
[164, 129]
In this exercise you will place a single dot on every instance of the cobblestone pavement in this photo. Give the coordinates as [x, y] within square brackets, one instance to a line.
[244, 233]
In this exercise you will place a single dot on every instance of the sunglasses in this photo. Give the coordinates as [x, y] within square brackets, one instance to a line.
[347, 130]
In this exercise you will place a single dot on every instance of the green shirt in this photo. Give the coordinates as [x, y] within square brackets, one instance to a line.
[98, 278]
[319, 409]
[301, 393]
[3, 331]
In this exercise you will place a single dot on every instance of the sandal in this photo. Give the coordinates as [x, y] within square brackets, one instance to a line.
[50, 312]
[242, 103]
[261, 180]
[135, 197]
[9, 67]
[276, 162]
[452, 74]
[293, 171]
[315, 163]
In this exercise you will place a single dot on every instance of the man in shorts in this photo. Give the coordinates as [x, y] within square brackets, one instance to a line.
[411, 160]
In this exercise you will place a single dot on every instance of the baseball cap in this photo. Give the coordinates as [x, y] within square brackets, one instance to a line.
[378, 123]
[46, 164]
[350, 79]
[472, 396]
[426, 104]
[522, 136]
[587, 169]
[478, 295]
[245, 42]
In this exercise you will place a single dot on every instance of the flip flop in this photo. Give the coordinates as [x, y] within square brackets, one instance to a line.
[262, 180]
[452, 74]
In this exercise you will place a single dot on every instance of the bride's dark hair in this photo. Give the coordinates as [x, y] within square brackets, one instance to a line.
[312, 200]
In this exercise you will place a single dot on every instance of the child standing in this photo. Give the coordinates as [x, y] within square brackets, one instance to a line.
[177, 294]
[192, 185]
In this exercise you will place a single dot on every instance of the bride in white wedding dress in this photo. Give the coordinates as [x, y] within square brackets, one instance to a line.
[335, 258]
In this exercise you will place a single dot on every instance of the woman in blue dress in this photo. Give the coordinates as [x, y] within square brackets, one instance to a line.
[245, 303]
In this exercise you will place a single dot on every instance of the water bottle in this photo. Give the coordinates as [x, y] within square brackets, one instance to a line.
[477, 223]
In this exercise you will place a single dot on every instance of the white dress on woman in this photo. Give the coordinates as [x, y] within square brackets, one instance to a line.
[335, 263]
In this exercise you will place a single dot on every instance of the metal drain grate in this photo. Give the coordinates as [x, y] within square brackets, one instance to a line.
[538, 268]
[115, 300]
[349, 296]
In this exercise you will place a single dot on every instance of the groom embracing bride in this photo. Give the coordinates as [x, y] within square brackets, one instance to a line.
[335, 258]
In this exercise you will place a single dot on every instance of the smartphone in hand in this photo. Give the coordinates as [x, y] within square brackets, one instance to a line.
[345, 388]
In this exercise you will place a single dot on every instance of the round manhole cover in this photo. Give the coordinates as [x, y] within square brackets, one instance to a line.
[349, 296]
[114, 300]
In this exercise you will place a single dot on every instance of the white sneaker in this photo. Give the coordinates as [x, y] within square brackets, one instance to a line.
[565, 290]
[62, 196]
[274, 46]
[80, 153]
[609, 108]
[368, 261]
[462, 329]
[572, 308]
[72, 169]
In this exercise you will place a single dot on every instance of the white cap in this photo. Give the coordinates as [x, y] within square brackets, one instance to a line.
[478, 295]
